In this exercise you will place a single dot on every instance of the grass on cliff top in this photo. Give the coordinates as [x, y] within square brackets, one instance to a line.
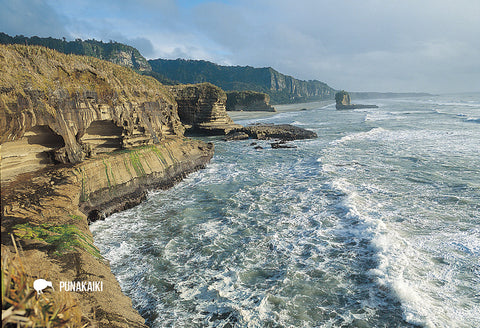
[48, 71]
[22, 307]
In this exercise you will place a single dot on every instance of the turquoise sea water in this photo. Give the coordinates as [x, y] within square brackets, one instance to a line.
[376, 223]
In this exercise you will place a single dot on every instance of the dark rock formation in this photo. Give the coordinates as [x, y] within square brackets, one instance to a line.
[201, 108]
[272, 131]
[343, 101]
[281, 144]
[248, 101]
[236, 135]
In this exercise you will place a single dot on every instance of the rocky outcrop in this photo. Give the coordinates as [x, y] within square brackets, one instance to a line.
[201, 108]
[48, 213]
[343, 101]
[80, 139]
[120, 181]
[248, 101]
[271, 131]
[64, 109]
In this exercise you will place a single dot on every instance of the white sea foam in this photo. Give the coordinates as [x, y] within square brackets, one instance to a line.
[374, 133]
[375, 226]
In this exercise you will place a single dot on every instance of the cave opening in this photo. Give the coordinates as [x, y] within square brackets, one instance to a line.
[103, 136]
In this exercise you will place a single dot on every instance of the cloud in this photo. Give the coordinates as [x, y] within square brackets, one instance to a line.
[26, 17]
[358, 45]
[428, 45]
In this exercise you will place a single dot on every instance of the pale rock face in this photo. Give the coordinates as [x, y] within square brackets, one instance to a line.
[131, 60]
[58, 108]
[202, 107]
[64, 109]
[345, 100]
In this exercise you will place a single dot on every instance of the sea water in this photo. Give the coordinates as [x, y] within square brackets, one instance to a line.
[376, 223]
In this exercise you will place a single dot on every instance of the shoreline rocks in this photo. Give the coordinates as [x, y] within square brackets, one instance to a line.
[82, 138]
[69, 198]
[271, 131]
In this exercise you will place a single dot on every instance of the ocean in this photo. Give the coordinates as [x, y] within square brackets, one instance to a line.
[376, 223]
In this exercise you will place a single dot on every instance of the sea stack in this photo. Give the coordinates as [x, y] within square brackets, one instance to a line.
[343, 101]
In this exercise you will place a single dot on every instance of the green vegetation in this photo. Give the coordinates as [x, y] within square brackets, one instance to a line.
[340, 95]
[281, 88]
[137, 164]
[93, 48]
[65, 237]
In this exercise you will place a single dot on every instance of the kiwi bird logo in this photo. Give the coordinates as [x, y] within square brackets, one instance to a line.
[40, 284]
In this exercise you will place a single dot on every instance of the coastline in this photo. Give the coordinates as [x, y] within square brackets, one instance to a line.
[64, 200]
[248, 115]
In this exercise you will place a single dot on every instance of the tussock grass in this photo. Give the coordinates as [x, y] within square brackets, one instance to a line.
[22, 307]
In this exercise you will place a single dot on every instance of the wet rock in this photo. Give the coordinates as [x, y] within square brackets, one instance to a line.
[280, 131]
[281, 144]
[236, 135]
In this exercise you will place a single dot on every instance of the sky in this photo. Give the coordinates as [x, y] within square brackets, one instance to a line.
[355, 45]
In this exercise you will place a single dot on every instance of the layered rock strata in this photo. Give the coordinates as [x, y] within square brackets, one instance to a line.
[66, 199]
[80, 139]
[248, 101]
[202, 108]
[74, 107]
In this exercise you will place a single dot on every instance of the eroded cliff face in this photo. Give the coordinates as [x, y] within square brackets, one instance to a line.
[343, 101]
[65, 108]
[298, 88]
[80, 139]
[202, 108]
[48, 213]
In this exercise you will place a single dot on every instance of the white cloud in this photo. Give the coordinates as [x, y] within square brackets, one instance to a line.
[395, 45]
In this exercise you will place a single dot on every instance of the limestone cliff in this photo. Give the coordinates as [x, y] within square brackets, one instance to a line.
[47, 214]
[248, 101]
[65, 108]
[202, 108]
[280, 87]
[81, 138]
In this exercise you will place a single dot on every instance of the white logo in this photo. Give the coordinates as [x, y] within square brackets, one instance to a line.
[40, 284]
[81, 286]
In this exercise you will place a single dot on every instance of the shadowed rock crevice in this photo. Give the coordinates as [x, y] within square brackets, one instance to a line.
[103, 137]
[34, 151]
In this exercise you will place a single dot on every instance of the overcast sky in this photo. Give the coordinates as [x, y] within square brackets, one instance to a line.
[356, 45]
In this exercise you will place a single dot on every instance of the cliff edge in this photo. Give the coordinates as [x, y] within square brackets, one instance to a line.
[80, 139]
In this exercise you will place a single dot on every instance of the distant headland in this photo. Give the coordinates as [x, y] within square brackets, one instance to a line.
[280, 88]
